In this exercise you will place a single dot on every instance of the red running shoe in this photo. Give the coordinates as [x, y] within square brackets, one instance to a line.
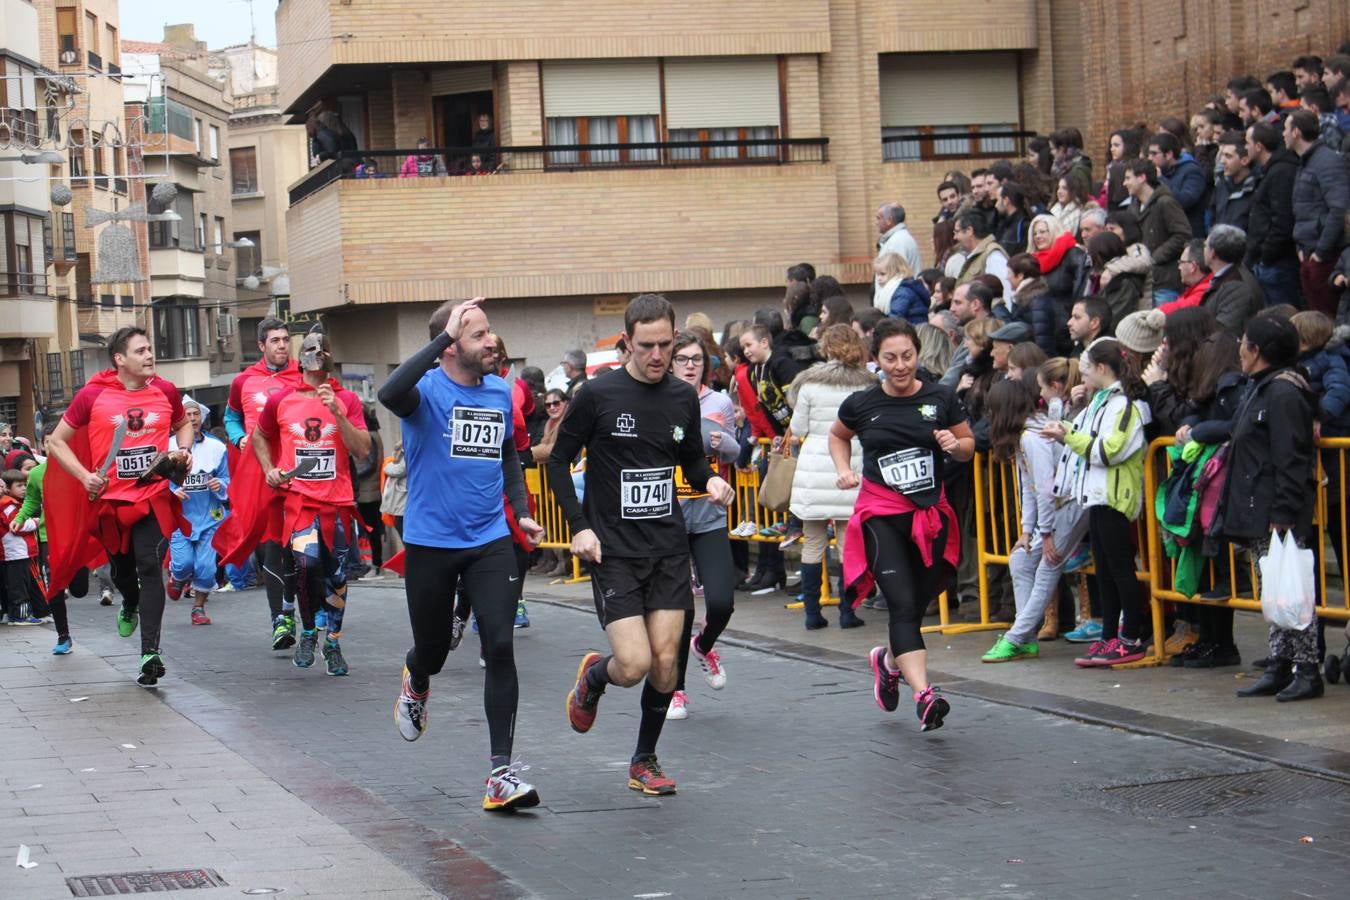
[582, 700]
[174, 588]
[199, 616]
[646, 776]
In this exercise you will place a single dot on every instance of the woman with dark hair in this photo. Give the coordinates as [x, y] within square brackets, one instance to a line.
[1072, 198]
[1271, 488]
[1138, 260]
[903, 535]
[1104, 456]
[834, 310]
[1067, 146]
[1032, 303]
[1123, 146]
[1171, 373]
[1038, 154]
[1037, 187]
[1122, 292]
[705, 522]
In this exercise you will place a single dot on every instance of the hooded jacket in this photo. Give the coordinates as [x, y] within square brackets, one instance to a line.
[1321, 195]
[1166, 230]
[1233, 202]
[910, 302]
[815, 395]
[1329, 380]
[1270, 221]
[1103, 460]
[1189, 184]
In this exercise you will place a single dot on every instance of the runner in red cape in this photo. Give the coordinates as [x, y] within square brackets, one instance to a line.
[302, 441]
[248, 487]
[106, 496]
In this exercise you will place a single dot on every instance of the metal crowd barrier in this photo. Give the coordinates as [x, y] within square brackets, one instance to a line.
[557, 533]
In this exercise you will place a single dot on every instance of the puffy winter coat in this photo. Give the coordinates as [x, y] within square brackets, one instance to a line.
[1067, 281]
[1329, 379]
[1270, 222]
[816, 395]
[910, 302]
[1124, 294]
[1321, 195]
[1189, 184]
[1233, 203]
[1166, 231]
[1034, 305]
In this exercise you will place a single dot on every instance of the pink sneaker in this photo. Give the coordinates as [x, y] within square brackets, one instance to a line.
[710, 663]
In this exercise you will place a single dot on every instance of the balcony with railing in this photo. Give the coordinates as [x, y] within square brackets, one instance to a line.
[95, 61]
[620, 218]
[25, 310]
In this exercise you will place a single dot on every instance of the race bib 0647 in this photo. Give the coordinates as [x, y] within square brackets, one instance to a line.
[196, 481]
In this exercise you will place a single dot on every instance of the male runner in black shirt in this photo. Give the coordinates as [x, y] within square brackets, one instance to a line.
[636, 424]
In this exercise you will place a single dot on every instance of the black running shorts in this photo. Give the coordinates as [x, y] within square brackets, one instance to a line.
[632, 587]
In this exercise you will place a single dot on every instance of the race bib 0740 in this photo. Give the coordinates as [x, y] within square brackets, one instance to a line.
[326, 467]
[646, 493]
[909, 471]
[477, 433]
[133, 462]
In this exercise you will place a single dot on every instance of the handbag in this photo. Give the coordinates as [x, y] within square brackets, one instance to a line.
[775, 491]
[1288, 597]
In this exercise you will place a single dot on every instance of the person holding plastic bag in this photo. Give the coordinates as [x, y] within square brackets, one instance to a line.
[1270, 490]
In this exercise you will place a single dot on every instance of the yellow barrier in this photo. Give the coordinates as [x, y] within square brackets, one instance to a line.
[547, 512]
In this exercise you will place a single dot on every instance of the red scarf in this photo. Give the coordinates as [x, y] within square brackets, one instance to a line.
[875, 500]
[1051, 257]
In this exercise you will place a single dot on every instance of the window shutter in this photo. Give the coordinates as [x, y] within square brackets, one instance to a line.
[737, 92]
[948, 89]
[461, 80]
[580, 88]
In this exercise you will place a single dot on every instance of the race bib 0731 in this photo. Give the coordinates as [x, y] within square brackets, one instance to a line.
[324, 470]
[133, 462]
[909, 471]
[646, 493]
[477, 433]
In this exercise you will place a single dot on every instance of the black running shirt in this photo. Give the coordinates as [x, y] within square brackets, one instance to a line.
[896, 433]
[635, 434]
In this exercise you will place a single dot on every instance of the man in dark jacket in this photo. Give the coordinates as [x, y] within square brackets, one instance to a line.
[1234, 295]
[1235, 188]
[1321, 195]
[1163, 223]
[1014, 222]
[1271, 254]
[1183, 176]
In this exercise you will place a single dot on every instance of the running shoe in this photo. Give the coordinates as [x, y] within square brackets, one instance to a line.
[1096, 652]
[932, 708]
[152, 669]
[199, 616]
[332, 656]
[127, 622]
[886, 684]
[1080, 558]
[63, 646]
[1118, 652]
[105, 599]
[1089, 632]
[283, 632]
[710, 663]
[456, 631]
[506, 791]
[522, 620]
[174, 588]
[679, 706]
[226, 588]
[321, 620]
[304, 653]
[410, 711]
[582, 701]
[1005, 650]
[645, 775]
[792, 536]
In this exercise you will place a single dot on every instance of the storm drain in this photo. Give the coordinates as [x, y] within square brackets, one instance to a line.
[143, 882]
[1217, 794]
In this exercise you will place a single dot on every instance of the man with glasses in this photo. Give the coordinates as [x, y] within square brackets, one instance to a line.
[636, 425]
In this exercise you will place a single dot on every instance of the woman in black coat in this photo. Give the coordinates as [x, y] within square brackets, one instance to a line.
[1271, 487]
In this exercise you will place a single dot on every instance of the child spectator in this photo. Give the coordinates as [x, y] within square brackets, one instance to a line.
[1340, 280]
[1323, 361]
[22, 597]
[1104, 447]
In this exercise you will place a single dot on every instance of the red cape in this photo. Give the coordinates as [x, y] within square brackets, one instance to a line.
[255, 510]
[73, 522]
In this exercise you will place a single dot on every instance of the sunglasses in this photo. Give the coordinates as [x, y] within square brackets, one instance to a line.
[552, 403]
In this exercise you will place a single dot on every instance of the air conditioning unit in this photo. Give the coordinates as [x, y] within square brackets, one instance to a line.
[225, 325]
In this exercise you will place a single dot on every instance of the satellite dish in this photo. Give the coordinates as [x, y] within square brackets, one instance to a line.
[69, 57]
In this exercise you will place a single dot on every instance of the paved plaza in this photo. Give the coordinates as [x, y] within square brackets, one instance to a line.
[792, 784]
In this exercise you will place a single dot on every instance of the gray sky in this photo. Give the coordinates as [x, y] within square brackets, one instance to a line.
[219, 22]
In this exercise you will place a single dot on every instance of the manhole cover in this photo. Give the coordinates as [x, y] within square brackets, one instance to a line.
[1226, 793]
[143, 882]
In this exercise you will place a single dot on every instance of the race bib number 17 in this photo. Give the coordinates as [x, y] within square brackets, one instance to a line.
[477, 433]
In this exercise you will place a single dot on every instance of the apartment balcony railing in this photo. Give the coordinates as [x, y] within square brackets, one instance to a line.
[95, 61]
[954, 142]
[456, 161]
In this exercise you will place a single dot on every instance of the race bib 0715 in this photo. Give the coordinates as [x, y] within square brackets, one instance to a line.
[646, 493]
[477, 433]
[909, 471]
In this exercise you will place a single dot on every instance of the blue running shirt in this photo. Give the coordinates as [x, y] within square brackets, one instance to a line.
[453, 444]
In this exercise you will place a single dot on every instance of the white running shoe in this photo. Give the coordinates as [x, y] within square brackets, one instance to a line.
[505, 790]
[410, 712]
[679, 706]
[710, 663]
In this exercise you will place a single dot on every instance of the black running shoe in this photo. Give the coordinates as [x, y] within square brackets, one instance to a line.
[932, 708]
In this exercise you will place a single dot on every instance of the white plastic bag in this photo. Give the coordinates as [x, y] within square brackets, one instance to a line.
[1288, 596]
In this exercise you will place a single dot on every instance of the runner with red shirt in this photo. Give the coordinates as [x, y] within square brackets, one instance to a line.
[303, 439]
[106, 496]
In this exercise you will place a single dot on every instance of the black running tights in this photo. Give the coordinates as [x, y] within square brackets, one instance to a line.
[711, 552]
[906, 583]
[138, 575]
[1113, 554]
[432, 574]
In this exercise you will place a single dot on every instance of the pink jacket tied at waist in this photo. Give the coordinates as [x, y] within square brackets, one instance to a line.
[875, 500]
